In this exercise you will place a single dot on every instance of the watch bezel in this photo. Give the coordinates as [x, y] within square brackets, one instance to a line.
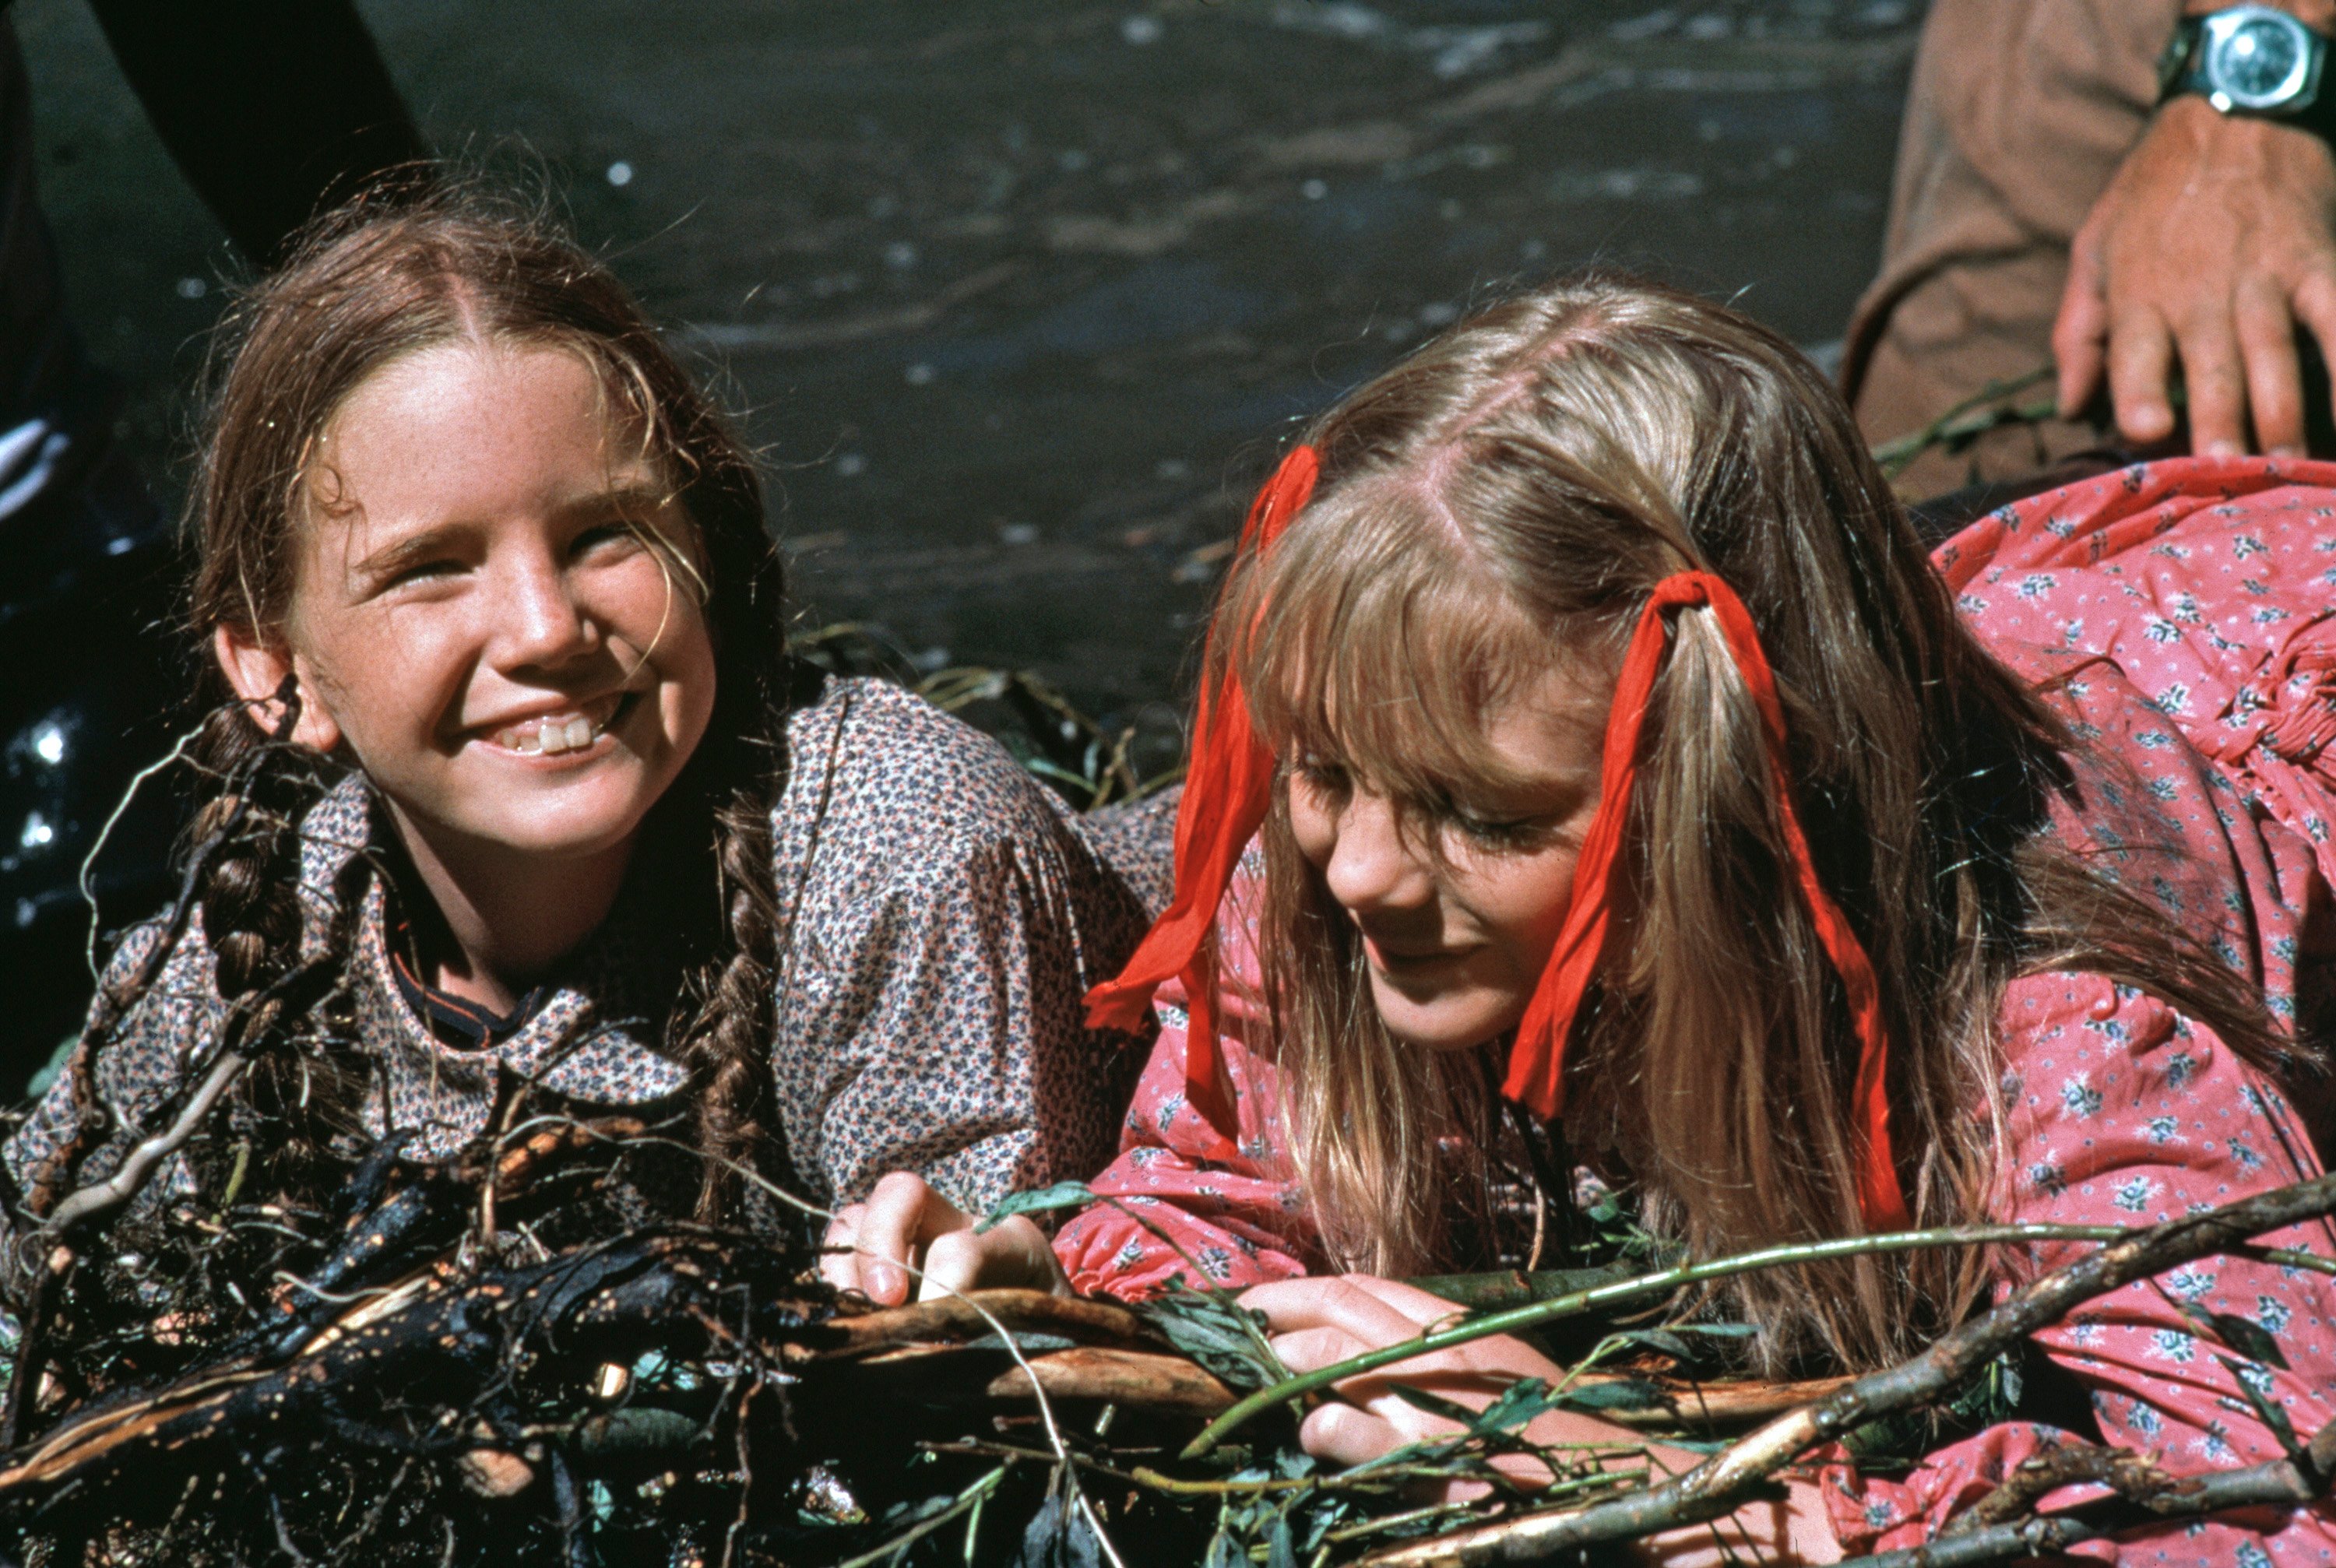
[2295, 91]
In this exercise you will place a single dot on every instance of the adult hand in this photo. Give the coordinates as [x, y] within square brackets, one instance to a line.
[2215, 239]
[1317, 1322]
[905, 1226]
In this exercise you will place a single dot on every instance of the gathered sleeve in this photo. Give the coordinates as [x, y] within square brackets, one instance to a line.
[940, 921]
[173, 1024]
[1167, 1214]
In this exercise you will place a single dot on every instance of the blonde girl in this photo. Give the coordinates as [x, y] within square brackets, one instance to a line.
[1621, 787]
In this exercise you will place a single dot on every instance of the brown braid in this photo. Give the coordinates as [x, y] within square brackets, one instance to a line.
[727, 1046]
[240, 857]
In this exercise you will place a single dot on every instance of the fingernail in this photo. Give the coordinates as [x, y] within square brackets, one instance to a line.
[2223, 449]
[2287, 451]
[883, 1283]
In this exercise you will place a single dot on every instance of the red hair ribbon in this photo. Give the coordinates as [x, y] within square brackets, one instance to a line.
[1228, 785]
[1537, 1061]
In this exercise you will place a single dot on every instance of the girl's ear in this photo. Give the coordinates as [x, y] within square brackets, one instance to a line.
[255, 669]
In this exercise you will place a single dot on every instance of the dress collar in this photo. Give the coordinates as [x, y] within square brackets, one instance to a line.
[591, 1035]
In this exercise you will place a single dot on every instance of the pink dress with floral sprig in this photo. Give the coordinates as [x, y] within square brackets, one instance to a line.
[2187, 611]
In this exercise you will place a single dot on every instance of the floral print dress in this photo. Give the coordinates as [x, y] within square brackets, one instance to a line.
[2182, 617]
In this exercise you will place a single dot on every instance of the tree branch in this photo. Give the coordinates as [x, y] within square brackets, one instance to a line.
[1718, 1484]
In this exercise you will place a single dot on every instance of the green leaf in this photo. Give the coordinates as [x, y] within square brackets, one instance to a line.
[1278, 1552]
[1029, 1341]
[1061, 1195]
[1628, 1394]
[1664, 1339]
[2267, 1411]
[2248, 1338]
[1519, 1403]
[1434, 1405]
[1227, 1339]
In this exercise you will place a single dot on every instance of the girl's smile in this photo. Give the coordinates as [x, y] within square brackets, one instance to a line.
[567, 733]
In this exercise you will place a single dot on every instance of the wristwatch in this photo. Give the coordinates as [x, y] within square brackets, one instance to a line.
[2251, 59]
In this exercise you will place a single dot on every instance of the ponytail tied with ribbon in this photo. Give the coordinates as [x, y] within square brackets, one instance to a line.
[1536, 1078]
[1229, 787]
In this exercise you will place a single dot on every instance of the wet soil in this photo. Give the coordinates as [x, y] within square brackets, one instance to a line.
[1019, 298]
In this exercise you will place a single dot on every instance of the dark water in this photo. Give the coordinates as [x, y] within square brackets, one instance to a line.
[1017, 297]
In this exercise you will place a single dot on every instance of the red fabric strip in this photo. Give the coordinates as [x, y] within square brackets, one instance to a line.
[1537, 1062]
[1228, 784]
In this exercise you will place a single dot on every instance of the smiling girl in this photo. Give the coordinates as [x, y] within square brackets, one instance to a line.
[518, 810]
[1595, 772]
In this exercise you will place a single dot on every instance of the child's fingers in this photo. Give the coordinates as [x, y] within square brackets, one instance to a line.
[1015, 1255]
[840, 1269]
[953, 1263]
[1290, 1305]
[1423, 1309]
[1344, 1435]
[1310, 1348]
[890, 1230]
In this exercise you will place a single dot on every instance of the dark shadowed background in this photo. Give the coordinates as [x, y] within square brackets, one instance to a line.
[1018, 297]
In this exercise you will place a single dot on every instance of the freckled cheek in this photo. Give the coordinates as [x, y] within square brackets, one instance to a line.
[1523, 902]
[640, 601]
[390, 677]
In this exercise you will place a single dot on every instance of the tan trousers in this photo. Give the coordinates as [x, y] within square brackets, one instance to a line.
[2018, 112]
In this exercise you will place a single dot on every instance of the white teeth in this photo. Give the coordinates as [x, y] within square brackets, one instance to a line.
[548, 736]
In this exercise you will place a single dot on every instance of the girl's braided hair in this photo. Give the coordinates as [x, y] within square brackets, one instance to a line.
[394, 272]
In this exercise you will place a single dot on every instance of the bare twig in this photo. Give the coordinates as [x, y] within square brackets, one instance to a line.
[2291, 1481]
[1718, 1484]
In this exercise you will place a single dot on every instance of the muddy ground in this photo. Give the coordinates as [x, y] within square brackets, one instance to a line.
[1017, 298]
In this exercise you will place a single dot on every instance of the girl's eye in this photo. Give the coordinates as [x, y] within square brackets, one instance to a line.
[1323, 777]
[606, 537]
[1496, 833]
[423, 570]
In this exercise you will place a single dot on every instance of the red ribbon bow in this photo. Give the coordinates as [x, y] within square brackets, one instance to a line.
[1229, 785]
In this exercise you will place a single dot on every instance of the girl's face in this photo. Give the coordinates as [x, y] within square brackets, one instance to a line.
[477, 614]
[1458, 912]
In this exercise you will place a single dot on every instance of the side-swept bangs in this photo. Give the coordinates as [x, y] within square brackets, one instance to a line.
[1368, 637]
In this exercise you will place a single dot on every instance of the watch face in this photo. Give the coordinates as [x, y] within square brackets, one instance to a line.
[2257, 59]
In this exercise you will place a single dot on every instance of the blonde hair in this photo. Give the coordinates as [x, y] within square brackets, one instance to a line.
[1499, 505]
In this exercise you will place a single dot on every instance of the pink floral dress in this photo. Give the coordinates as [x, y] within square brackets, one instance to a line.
[2188, 612]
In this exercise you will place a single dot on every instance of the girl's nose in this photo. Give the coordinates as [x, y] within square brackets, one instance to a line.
[1372, 865]
[542, 622]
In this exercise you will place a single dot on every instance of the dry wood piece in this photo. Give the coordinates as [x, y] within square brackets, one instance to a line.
[1140, 1379]
[959, 1319]
[1704, 1407]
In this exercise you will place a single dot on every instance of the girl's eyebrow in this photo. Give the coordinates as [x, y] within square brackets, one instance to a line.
[391, 559]
[620, 498]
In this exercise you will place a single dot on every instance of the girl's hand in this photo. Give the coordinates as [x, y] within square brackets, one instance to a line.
[905, 1225]
[1317, 1322]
